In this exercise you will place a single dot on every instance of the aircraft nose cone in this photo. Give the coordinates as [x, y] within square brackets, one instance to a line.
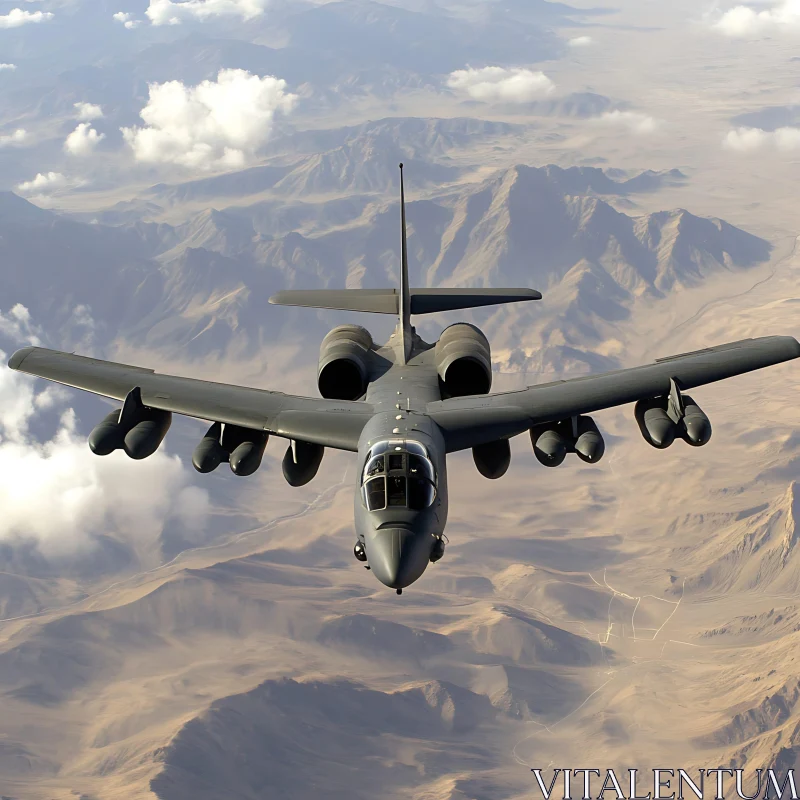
[398, 556]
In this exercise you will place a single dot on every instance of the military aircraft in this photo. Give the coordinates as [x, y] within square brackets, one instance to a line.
[402, 406]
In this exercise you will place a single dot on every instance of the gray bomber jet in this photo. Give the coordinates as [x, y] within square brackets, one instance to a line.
[402, 406]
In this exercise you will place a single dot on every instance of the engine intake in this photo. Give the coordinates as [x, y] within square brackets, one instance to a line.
[590, 445]
[463, 361]
[550, 444]
[344, 359]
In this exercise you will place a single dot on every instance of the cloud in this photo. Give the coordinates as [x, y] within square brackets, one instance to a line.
[580, 41]
[743, 21]
[17, 17]
[127, 19]
[634, 121]
[43, 182]
[749, 140]
[220, 123]
[7, 67]
[498, 84]
[61, 496]
[18, 137]
[88, 111]
[18, 326]
[83, 140]
[166, 12]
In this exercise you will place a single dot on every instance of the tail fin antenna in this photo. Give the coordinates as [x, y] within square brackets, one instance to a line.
[405, 292]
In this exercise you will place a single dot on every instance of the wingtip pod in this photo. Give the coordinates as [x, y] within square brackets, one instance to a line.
[15, 362]
[784, 347]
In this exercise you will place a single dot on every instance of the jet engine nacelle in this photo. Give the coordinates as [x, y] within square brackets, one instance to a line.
[551, 442]
[138, 432]
[209, 454]
[492, 459]
[463, 361]
[696, 427]
[590, 445]
[107, 437]
[242, 448]
[660, 430]
[344, 363]
[301, 462]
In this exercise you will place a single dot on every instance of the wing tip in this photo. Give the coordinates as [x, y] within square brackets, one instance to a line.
[787, 346]
[15, 362]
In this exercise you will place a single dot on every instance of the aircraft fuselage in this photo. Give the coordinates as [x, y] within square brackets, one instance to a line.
[400, 529]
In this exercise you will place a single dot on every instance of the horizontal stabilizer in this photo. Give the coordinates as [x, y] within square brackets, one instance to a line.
[429, 301]
[387, 301]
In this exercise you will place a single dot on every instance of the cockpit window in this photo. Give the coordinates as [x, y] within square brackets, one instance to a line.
[375, 494]
[398, 474]
[397, 490]
[420, 493]
[420, 468]
[374, 466]
[395, 461]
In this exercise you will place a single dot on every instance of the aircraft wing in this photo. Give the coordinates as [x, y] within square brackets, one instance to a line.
[331, 423]
[470, 421]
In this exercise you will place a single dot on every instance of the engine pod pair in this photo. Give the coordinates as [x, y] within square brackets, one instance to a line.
[552, 442]
[139, 438]
[243, 448]
[659, 429]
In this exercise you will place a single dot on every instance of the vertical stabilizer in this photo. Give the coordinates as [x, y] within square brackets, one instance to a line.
[405, 292]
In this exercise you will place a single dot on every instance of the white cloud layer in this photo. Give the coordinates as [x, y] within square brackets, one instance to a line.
[61, 496]
[86, 112]
[9, 139]
[83, 140]
[216, 124]
[580, 41]
[7, 67]
[744, 21]
[43, 182]
[750, 140]
[17, 17]
[167, 12]
[634, 121]
[499, 84]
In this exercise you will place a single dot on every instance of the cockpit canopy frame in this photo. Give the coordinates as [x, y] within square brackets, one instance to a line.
[398, 474]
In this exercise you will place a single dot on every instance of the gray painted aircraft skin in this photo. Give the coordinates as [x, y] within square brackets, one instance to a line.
[402, 407]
